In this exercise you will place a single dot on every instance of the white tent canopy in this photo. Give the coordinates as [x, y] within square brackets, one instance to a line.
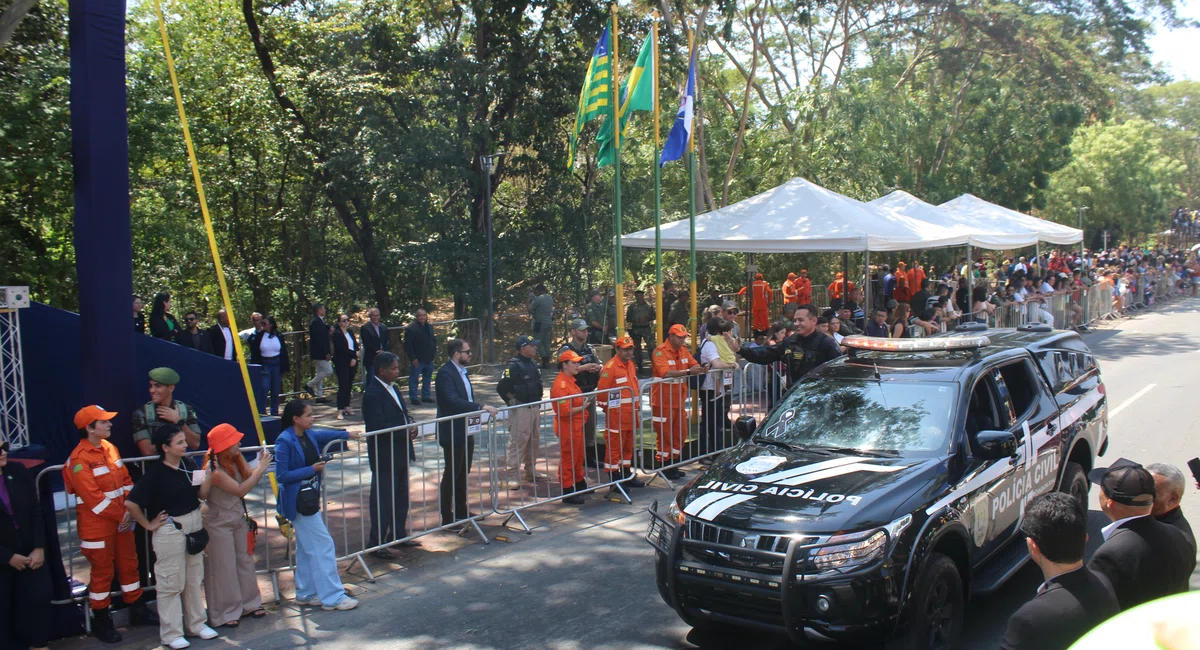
[978, 213]
[798, 217]
[982, 229]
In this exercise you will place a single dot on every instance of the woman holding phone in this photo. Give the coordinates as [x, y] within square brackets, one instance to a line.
[230, 586]
[298, 464]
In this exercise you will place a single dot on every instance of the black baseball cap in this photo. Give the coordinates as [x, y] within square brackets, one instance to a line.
[1125, 482]
[524, 340]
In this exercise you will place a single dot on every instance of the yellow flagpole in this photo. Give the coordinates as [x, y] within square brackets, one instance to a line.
[212, 238]
[660, 317]
[616, 117]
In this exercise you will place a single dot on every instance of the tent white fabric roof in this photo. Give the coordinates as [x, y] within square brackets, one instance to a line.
[798, 217]
[974, 210]
[982, 230]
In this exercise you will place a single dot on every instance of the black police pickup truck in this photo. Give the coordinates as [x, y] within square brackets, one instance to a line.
[885, 488]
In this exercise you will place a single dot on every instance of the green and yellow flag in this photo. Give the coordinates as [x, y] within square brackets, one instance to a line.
[637, 94]
[595, 95]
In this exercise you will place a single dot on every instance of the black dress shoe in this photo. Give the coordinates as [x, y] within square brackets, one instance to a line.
[140, 614]
[673, 473]
[412, 543]
[574, 500]
[414, 400]
[383, 554]
[322, 400]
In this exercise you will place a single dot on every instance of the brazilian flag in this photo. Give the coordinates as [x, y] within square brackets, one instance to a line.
[595, 95]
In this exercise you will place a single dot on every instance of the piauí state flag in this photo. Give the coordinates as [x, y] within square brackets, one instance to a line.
[681, 132]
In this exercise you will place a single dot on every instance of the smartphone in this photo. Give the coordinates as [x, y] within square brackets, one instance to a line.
[326, 458]
[1194, 465]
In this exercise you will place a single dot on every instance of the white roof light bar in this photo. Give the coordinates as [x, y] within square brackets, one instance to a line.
[934, 344]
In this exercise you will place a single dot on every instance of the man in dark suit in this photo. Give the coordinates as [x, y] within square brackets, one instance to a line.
[455, 397]
[192, 337]
[374, 337]
[1073, 599]
[221, 337]
[1142, 557]
[1169, 485]
[387, 453]
[320, 350]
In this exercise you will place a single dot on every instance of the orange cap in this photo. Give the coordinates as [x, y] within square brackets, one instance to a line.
[791, 276]
[678, 330]
[223, 436]
[90, 414]
[567, 355]
[901, 263]
[623, 342]
[758, 276]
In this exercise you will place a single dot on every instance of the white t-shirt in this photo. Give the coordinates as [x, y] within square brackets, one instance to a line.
[708, 354]
[269, 346]
[1046, 288]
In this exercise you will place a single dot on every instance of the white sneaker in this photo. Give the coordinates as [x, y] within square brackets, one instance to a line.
[346, 603]
[310, 602]
[206, 633]
[179, 644]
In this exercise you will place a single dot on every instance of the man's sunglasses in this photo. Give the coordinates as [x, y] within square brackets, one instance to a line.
[464, 352]
[4, 447]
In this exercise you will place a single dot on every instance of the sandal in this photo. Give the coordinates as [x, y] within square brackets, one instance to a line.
[259, 613]
[230, 624]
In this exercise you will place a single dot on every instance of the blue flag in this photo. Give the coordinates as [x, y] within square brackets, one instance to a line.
[681, 132]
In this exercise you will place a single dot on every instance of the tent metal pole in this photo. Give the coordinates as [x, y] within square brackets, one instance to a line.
[845, 276]
[866, 285]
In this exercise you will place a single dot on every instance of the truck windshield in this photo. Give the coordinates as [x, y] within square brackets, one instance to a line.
[899, 417]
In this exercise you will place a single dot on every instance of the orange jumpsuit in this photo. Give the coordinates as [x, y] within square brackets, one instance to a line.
[100, 482]
[835, 289]
[761, 314]
[903, 292]
[803, 291]
[667, 399]
[789, 291]
[620, 379]
[568, 427]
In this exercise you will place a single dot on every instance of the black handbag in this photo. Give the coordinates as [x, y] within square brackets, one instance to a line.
[308, 501]
[196, 541]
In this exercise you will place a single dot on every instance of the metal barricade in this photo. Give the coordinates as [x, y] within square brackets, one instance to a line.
[689, 419]
[272, 551]
[540, 459]
[761, 390]
[398, 484]
[1010, 315]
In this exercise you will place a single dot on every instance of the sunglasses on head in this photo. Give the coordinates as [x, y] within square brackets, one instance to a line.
[5, 446]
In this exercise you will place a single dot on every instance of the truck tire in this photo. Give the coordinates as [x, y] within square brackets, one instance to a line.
[936, 618]
[1075, 483]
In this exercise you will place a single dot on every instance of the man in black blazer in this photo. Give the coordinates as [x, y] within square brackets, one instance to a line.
[221, 337]
[455, 396]
[1142, 557]
[1169, 485]
[374, 338]
[320, 350]
[388, 454]
[1073, 599]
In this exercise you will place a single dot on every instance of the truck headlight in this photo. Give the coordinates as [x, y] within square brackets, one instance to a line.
[674, 514]
[859, 548]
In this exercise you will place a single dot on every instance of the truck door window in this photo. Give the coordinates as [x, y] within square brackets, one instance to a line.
[982, 414]
[1021, 387]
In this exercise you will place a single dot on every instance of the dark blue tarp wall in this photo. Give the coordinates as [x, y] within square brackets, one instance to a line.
[54, 387]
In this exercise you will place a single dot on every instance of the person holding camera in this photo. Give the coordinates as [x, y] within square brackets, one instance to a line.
[168, 502]
[230, 586]
[298, 465]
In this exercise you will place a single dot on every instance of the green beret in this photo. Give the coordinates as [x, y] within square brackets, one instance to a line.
[165, 376]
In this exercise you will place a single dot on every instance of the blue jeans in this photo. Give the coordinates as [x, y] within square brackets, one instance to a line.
[424, 371]
[272, 382]
[316, 562]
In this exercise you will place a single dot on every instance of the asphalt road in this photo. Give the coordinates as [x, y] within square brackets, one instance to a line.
[584, 578]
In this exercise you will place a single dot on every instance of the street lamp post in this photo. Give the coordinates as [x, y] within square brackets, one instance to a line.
[1081, 239]
[488, 162]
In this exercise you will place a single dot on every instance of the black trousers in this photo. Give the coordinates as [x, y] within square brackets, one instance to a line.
[25, 609]
[345, 377]
[454, 479]
[388, 455]
[714, 421]
[640, 338]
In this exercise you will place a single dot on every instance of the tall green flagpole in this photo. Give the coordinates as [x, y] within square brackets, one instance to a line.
[616, 100]
[658, 279]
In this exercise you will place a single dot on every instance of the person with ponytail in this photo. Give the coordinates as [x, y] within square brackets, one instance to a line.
[230, 586]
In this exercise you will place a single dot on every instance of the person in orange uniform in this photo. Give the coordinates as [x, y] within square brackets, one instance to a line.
[619, 378]
[569, 416]
[904, 290]
[761, 312]
[789, 289]
[835, 289]
[803, 288]
[672, 359]
[96, 476]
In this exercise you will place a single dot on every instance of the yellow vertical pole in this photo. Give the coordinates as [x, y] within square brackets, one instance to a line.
[660, 317]
[619, 284]
[212, 238]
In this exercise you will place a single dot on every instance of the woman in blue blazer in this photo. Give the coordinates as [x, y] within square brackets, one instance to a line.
[297, 461]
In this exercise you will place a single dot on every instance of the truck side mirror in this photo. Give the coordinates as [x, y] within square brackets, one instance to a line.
[745, 427]
[995, 445]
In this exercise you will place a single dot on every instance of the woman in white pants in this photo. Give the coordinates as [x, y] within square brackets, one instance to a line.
[168, 502]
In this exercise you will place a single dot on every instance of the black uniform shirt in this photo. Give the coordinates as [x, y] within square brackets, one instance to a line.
[165, 488]
[587, 381]
[801, 353]
[521, 382]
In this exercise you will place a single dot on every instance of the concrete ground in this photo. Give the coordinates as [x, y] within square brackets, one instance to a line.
[584, 577]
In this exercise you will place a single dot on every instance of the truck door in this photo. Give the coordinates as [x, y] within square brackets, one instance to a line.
[1033, 418]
